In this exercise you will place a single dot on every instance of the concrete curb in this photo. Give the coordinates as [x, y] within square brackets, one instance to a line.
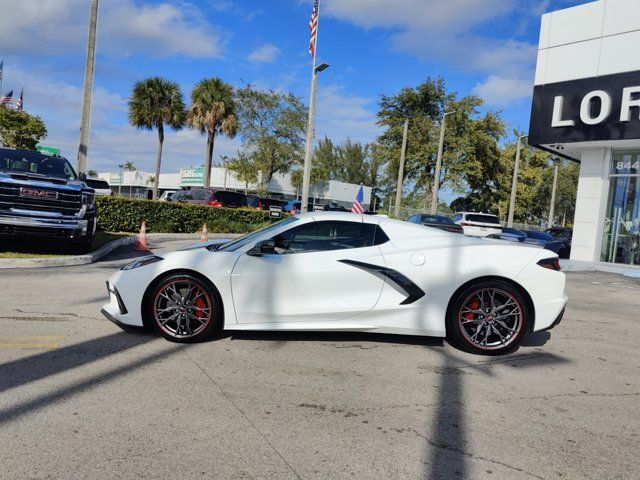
[66, 261]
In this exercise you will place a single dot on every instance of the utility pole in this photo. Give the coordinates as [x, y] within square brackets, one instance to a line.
[436, 177]
[514, 183]
[403, 154]
[553, 192]
[89, 67]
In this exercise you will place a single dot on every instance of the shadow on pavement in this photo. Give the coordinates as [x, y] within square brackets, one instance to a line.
[288, 336]
[448, 453]
[14, 412]
[30, 369]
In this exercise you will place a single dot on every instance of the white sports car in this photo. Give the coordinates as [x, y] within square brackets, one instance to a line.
[346, 272]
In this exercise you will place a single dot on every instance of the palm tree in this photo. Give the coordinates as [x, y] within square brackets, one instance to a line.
[212, 111]
[154, 103]
[92, 173]
[130, 167]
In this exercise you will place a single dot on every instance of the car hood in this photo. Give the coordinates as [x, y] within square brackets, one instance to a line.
[42, 181]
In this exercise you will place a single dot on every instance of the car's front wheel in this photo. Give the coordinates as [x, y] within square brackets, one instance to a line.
[184, 308]
[489, 317]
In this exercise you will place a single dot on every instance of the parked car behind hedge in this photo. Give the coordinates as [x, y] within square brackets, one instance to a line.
[116, 214]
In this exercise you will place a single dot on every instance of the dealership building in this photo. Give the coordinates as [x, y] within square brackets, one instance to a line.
[138, 184]
[586, 108]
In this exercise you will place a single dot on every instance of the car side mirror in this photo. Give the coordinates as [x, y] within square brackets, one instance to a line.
[263, 247]
[83, 176]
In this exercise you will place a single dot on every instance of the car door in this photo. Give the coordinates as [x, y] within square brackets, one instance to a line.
[308, 280]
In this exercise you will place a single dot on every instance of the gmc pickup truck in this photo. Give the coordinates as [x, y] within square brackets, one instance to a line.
[42, 196]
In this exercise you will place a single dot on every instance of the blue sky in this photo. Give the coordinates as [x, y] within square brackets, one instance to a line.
[486, 47]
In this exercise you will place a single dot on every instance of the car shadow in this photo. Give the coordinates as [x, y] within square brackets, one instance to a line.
[281, 337]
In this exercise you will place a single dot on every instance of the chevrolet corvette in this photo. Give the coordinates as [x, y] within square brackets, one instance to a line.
[334, 271]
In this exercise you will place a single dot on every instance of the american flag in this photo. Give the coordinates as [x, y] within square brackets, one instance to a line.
[7, 98]
[358, 205]
[19, 101]
[313, 28]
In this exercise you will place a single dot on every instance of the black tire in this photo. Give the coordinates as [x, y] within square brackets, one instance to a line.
[477, 327]
[199, 310]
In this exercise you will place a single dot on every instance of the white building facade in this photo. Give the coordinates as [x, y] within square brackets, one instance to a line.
[586, 107]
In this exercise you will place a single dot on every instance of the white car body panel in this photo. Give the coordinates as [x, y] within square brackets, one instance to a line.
[315, 291]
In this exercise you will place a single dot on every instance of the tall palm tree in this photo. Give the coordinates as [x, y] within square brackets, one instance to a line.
[130, 167]
[212, 111]
[154, 103]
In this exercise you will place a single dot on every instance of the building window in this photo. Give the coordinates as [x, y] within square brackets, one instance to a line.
[621, 240]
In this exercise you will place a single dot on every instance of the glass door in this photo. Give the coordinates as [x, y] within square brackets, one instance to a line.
[621, 240]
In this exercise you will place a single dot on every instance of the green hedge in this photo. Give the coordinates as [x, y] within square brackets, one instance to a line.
[116, 214]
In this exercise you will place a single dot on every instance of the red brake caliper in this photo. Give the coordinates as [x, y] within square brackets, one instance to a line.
[200, 304]
[473, 305]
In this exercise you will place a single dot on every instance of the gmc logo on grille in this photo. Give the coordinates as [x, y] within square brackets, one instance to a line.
[35, 192]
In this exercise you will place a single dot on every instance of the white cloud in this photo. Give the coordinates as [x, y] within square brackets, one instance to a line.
[264, 54]
[124, 27]
[500, 91]
[447, 32]
[341, 115]
[450, 15]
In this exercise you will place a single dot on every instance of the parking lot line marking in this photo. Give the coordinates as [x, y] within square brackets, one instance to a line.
[49, 346]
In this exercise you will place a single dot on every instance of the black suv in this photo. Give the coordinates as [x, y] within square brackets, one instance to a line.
[42, 196]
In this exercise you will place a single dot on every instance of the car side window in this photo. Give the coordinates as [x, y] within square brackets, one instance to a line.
[327, 236]
[413, 219]
[457, 218]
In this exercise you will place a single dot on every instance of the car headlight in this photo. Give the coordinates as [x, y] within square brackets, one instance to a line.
[141, 262]
[89, 199]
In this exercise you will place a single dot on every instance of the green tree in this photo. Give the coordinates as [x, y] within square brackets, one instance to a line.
[130, 166]
[212, 112]
[154, 103]
[92, 173]
[20, 130]
[244, 169]
[471, 149]
[272, 125]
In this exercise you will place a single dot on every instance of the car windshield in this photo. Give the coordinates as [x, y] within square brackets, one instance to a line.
[20, 161]
[250, 237]
[435, 219]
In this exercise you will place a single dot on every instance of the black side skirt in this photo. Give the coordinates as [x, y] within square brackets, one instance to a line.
[413, 291]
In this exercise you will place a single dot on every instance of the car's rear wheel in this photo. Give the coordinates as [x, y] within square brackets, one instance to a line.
[489, 317]
[184, 308]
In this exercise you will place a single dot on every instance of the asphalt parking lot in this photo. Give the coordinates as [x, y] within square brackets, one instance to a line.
[82, 399]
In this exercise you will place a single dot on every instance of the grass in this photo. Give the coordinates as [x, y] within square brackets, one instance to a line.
[47, 248]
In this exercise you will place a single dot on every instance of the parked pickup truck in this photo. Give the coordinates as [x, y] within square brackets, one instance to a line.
[42, 196]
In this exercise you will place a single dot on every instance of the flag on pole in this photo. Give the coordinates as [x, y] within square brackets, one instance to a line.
[313, 28]
[7, 98]
[19, 101]
[358, 205]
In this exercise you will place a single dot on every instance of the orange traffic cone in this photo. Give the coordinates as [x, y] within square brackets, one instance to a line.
[141, 241]
[204, 237]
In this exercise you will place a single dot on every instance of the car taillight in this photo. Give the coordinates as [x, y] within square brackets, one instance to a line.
[215, 203]
[550, 263]
[259, 205]
[465, 224]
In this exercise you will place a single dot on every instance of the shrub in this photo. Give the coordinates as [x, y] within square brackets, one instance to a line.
[116, 214]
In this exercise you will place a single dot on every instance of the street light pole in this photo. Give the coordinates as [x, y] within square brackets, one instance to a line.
[436, 177]
[514, 182]
[403, 154]
[553, 193]
[306, 172]
[88, 88]
[121, 167]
